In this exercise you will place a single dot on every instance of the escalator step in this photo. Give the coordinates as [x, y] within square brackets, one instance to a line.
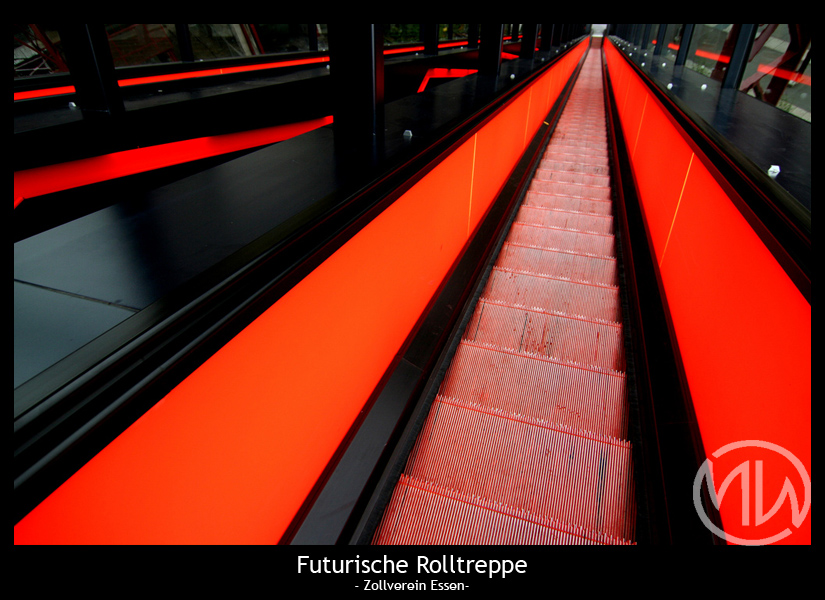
[554, 471]
[568, 339]
[539, 388]
[422, 512]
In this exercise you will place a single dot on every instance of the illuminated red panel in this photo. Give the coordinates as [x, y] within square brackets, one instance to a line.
[498, 146]
[636, 101]
[230, 454]
[539, 94]
[744, 333]
[54, 178]
[660, 163]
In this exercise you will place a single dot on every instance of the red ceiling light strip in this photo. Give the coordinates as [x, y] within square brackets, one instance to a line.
[55, 178]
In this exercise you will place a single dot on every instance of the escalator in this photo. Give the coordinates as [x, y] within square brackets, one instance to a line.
[509, 364]
[527, 439]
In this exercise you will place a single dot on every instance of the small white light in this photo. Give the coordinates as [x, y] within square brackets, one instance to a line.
[773, 171]
[704, 86]
[512, 76]
[670, 86]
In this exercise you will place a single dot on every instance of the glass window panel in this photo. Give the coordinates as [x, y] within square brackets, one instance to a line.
[779, 69]
[452, 31]
[280, 38]
[142, 43]
[403, 33]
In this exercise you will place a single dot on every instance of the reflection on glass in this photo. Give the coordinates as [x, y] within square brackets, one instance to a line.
[37, 50]
[281, 38]
[651, 38]
[779, 68]
[220, 40]
[141, 44]
[711, 47]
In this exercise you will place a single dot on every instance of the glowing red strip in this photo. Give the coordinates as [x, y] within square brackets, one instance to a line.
[176, 76]
[54, 178]
[222, 71]
[406, 49]
[66, 89]
[453, 44]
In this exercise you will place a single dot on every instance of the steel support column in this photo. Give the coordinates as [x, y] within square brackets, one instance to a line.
[490, 50]
[429, 35]
[528, 42]
[357, 72]
[739, 58]
[93, 70]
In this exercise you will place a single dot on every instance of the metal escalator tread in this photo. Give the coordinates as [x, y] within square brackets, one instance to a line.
[526, 442]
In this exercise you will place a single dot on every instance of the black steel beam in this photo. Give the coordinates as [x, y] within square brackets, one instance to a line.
[684, 44]
[185, 42]
[739, 58]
